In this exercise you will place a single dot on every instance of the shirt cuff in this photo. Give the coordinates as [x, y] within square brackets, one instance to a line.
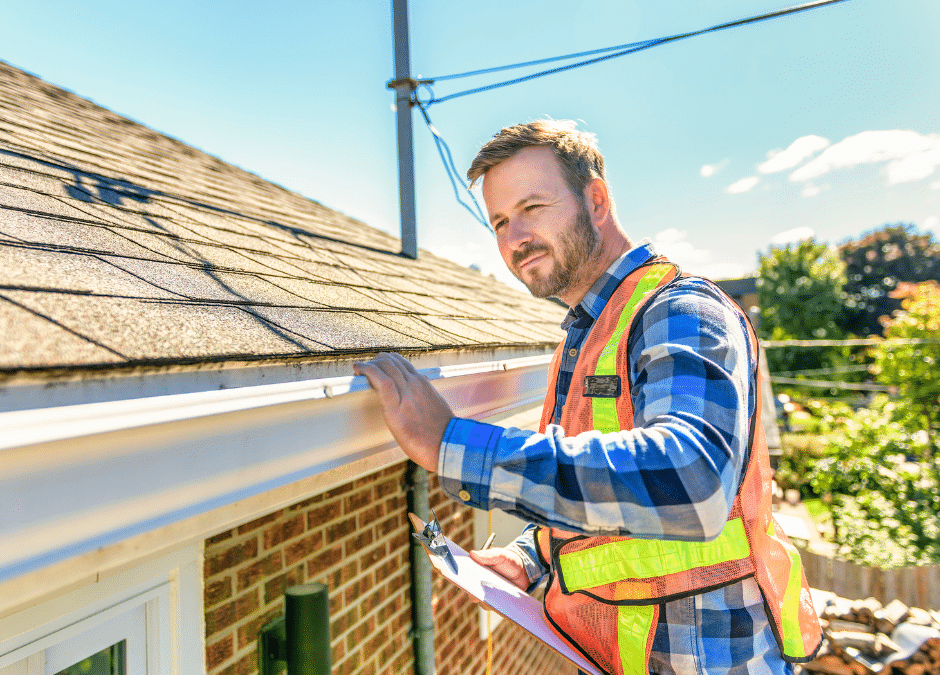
[525, 547]
[465, 462]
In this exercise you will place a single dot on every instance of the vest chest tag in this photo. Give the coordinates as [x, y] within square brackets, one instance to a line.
[602, 386]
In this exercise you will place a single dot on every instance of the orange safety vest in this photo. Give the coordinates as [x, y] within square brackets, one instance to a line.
[604, 593]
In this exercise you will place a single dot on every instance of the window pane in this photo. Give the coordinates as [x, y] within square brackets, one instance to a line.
[109, 661]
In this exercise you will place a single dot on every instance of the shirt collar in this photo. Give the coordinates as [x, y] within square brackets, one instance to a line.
[596, 299]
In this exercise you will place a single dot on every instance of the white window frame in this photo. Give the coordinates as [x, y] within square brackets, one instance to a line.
[160, 617]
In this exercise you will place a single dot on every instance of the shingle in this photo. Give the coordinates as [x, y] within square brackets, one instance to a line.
[77, 272]
[144, 330]
[31, 341]
[158, 251]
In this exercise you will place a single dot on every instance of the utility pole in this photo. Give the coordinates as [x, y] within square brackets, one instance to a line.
[422, 618]
[404, 86]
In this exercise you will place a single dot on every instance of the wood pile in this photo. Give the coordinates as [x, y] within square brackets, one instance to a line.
[865, 638]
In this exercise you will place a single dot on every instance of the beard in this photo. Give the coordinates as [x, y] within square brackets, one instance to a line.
[577, 246]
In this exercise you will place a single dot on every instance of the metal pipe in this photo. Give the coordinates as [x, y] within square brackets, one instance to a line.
[404, 86]
[422, 618]
[307, 618]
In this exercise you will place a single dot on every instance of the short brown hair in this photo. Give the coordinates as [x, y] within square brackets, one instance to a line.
[576, 150]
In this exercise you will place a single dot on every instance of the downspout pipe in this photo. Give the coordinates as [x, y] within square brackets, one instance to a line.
[422, 618]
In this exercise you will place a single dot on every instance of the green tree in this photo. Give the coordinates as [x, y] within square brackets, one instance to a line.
[912, 367]
[800, 293]
[875, 264]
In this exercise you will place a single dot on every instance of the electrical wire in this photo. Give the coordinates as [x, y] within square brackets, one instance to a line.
[451, 169]
[621, 50]
[857, 342]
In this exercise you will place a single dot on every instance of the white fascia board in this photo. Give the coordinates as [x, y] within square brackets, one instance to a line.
[77, 478]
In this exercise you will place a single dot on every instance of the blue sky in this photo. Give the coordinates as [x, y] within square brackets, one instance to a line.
[824, 123]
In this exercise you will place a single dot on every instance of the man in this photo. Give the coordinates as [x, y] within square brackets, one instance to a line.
[650, 476]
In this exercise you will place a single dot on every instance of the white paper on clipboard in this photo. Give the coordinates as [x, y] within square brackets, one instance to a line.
[502, 597]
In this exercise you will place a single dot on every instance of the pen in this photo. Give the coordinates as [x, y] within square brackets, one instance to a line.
[489, 541]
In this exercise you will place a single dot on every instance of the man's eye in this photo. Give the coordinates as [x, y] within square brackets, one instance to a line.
[498, 224]
[532, 207]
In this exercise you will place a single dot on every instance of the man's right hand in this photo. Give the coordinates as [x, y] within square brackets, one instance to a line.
[505, 562]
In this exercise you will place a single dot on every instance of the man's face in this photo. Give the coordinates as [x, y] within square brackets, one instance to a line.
[543, 230]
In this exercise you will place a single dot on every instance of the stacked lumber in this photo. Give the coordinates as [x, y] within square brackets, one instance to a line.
[863, 637]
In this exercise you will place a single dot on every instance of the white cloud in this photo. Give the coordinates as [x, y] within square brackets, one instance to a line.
[912, 156]
[672, 243]
[932, 223]
[670, 236]
[792, 236]
[709, 170]
[812, 190]
[800, 149]
[743, 185]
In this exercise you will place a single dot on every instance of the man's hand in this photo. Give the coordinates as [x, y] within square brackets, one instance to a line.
[415, 413]
[505, 563]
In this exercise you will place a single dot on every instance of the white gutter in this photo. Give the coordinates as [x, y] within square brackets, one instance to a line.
[77, 478]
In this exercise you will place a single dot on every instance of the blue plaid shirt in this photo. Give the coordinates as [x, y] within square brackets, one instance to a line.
[674, 476]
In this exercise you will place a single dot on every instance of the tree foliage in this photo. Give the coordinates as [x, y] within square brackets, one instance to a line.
[882, 472]
[875, 264]
[800, 293]
[913, 368]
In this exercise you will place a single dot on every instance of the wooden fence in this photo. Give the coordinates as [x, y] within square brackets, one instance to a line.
[914, 586]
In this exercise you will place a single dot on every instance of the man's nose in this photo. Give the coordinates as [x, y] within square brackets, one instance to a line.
[519, 233]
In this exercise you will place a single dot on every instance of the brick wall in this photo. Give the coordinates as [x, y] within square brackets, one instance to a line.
[354, 539]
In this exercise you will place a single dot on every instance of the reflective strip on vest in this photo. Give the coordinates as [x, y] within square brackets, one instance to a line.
[790, 605]
[633, 628]
[605, 409]
[646, 558]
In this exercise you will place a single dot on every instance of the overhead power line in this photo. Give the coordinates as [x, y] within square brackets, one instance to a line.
[857, 342]
[826, 384]
[608, 53]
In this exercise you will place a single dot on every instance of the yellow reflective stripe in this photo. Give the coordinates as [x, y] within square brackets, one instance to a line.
[646, 558]
[790, 604]
[605, 409]
[633, 628]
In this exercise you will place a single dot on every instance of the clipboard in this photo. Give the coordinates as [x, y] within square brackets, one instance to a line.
[502, 596]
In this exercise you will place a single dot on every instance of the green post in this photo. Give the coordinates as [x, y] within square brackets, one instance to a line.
[307, 618]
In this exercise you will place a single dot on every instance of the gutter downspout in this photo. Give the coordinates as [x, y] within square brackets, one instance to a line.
[422, 618]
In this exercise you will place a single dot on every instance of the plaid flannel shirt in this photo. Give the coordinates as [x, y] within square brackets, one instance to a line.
[674, 476]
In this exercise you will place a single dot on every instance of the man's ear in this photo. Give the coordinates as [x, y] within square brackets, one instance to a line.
[597, 200]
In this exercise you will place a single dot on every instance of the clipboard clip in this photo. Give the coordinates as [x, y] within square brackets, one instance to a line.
[432, 538]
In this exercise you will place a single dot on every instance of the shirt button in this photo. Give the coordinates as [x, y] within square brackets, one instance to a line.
[572, 352]
[464, 495]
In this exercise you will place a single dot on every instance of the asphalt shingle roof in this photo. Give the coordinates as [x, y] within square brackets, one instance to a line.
[121, 246]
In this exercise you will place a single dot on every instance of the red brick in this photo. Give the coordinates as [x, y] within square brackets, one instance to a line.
[344, 622]
[284, 530]
[257, 571]
[345, 573]
[302, 548]
[220, 618]
[340, 528]
[386, 488]
[248, 633]
[220, 537]
[375, 642]
[363, 538]
[371, 516]
[274, 588]
[341, 490]
[324, 514]
[373, 557]
[219, 652]
[323, 561]
[231, 557]
[247, 604]
[259, 522]
[357, 500]
[217, 591]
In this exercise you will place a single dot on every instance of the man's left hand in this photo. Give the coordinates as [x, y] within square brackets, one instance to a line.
[415, 413]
